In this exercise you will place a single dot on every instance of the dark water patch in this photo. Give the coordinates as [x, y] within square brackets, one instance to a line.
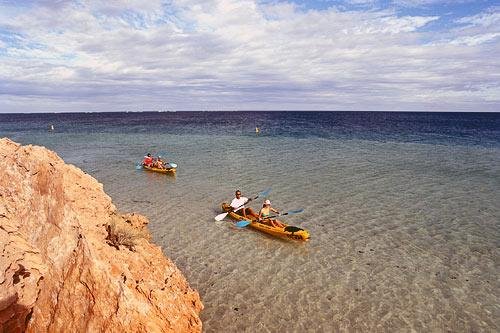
[478, 129]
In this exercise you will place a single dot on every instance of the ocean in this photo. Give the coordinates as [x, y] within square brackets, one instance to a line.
[403, 211]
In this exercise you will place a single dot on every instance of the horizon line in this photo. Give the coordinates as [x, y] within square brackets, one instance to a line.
[173, 111]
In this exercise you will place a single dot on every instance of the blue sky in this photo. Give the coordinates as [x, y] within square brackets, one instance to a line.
[117, 55]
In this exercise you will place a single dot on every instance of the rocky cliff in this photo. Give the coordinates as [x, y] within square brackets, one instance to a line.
[69, 262]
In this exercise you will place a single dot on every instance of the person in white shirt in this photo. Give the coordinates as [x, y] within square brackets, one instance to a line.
[238, 205]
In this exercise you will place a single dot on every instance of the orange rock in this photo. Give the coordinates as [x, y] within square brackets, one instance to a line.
[61, 269]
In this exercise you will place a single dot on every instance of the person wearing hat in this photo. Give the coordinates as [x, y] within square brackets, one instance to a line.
[264, 213]
[159, 163]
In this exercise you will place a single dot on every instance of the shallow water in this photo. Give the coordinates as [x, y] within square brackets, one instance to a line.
[402, 209]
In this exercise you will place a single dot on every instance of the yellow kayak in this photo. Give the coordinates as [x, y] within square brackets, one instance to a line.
[290, 232]
[166, 170]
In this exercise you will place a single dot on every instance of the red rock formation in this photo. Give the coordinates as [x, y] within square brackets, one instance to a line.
[70, 263]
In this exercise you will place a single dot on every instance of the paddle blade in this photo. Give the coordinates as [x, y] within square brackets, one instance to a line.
[138, 166]
[242, 224]
[220, 217]
[173, 165]
[264, 193]
[296, 211]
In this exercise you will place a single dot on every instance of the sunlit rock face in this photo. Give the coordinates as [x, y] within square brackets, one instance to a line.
[69, 262]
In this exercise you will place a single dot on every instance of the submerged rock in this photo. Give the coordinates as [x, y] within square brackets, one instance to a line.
[69, 262]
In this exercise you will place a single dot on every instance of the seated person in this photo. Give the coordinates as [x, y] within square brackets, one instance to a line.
[159, 163]
[238, 206]
[148, 160]
[264, 215]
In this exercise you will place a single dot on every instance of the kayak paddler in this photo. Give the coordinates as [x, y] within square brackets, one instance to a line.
[148, 160]
[264, 213]
[238, 205]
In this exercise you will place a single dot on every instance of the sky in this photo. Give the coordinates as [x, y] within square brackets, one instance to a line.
[118, 55]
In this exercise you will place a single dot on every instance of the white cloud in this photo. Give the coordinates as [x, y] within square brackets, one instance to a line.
[423, 3]
[476, 30]
[488, 19]
[475, 40]
[117, 55]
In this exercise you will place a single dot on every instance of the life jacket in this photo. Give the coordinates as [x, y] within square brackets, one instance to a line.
[147, 160]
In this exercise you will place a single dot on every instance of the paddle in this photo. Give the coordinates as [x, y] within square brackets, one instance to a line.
[164, 153]
[264, 193]
[244, 223]
[291, 212]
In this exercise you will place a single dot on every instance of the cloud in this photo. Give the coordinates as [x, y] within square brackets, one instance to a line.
[240, 54]
[477, 29]
[487, 19]
[475, 40]
[424, 3]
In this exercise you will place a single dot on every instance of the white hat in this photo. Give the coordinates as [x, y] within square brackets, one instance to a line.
[267, 202]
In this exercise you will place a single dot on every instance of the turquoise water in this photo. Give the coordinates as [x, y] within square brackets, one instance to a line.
[402, 209]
